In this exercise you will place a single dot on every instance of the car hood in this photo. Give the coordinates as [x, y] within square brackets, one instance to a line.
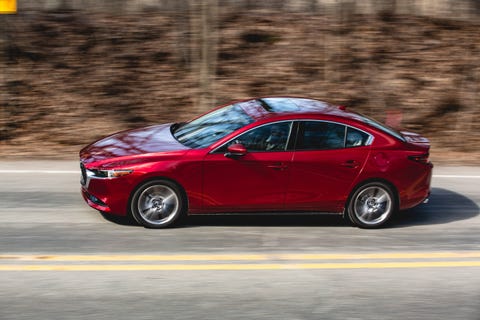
[132, 142]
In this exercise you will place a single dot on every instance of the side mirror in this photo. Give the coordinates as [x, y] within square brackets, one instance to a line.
[236, 150]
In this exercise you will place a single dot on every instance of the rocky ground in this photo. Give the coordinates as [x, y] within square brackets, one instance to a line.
[69, 78]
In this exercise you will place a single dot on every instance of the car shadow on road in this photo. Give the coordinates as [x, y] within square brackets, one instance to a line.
[244, 220]
[445, 206]
[120, 220]
[266, 220]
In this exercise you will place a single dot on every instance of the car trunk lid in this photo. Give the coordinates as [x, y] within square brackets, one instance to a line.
[416, 139]
[419, 147]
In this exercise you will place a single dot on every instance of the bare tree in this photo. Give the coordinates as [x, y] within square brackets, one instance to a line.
[204, 33]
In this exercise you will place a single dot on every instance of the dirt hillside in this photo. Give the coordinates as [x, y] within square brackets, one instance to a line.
[69, 78]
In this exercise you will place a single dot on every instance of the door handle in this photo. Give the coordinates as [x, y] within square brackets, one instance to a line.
[350, 164]
[278, 166]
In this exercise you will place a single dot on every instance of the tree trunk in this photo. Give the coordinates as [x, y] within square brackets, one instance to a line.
[204, 50]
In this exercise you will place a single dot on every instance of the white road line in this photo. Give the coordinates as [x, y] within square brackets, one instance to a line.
[41, 171]
[454, 176]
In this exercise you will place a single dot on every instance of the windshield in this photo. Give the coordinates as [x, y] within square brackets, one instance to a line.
[213, 126]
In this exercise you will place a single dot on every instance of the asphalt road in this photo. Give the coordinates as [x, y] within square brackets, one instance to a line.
[59, 259]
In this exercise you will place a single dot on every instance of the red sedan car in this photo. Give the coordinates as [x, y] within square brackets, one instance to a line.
[277, 154]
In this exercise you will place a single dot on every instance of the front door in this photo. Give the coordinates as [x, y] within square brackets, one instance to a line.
[256, 180]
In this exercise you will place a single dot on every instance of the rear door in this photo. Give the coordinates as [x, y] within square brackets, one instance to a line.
[328, 157]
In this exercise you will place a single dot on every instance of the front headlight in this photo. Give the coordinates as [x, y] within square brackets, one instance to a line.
[97, 173]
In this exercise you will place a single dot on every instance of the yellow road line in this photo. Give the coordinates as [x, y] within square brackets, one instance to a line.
[123, 257]
[228, 267]
[386, 255]
[245, 257]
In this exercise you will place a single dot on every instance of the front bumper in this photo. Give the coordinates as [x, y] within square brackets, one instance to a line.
[107, 194]
[94, 202]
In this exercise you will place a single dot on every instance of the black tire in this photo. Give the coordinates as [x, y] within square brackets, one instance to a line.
[371, 205]
[158, 204]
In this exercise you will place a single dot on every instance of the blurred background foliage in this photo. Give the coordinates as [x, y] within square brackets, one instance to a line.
[75, 70]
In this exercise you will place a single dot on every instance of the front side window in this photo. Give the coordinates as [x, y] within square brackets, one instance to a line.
[271, 137]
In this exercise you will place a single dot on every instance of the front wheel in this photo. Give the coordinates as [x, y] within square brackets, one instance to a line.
[371, 205]
[158, 204]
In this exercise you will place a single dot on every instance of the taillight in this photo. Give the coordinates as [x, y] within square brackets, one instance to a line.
[421, 158]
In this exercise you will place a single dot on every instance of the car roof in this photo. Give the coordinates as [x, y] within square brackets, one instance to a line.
[268, 107]
[293, 108]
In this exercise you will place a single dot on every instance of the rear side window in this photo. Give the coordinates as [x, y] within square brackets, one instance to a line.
[321, 135]
[355, 138]
[318, 135]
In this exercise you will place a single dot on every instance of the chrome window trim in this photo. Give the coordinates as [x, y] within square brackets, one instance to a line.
[369, 141]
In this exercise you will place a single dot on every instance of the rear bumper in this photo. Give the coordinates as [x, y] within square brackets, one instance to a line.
[418, 191]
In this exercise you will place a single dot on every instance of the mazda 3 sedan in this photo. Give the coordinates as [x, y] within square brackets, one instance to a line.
[266, 155]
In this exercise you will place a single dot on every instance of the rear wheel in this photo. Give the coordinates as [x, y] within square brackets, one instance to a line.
[371, 205]
[158, 204]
